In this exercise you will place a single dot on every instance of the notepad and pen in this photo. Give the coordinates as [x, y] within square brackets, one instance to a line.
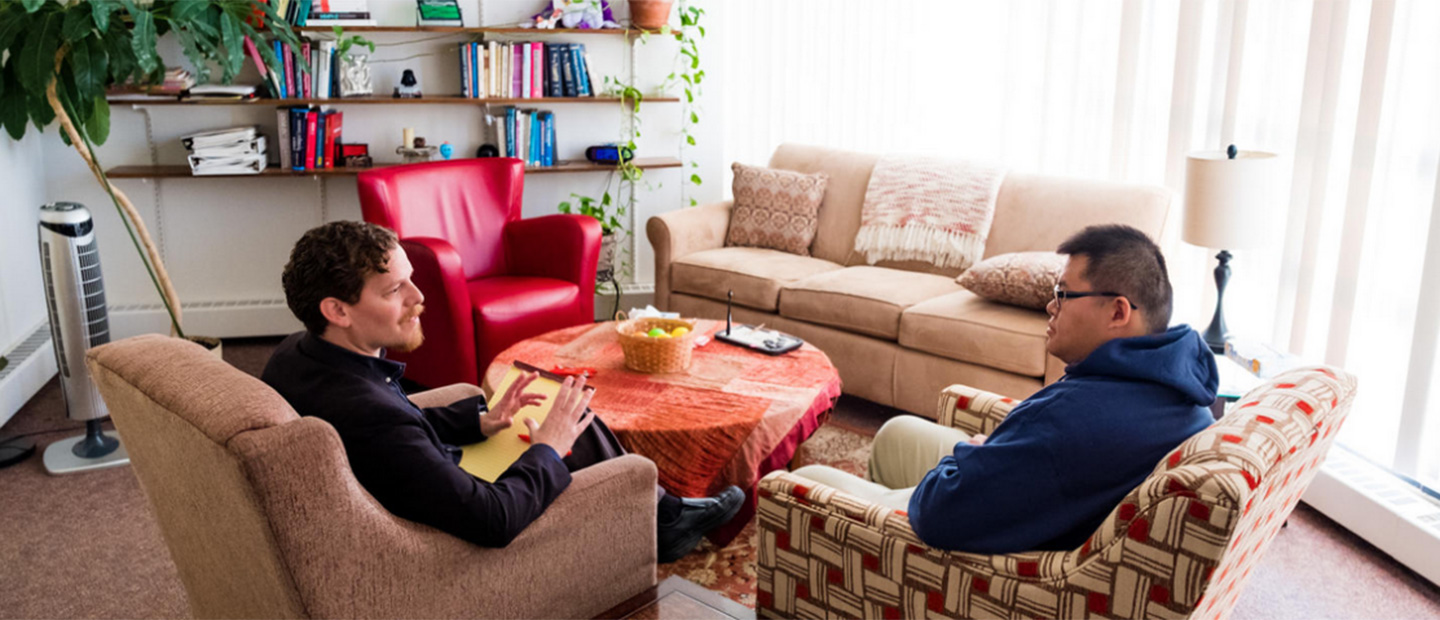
[488, 459]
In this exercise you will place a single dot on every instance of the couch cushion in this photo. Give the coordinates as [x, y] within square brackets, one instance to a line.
[963, 326]
[756, 275]
[865, 300]
[774, 209]
[1025, 279]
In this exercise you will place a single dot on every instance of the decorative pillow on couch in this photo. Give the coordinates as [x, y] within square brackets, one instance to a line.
[776, 209]
[1025, 279]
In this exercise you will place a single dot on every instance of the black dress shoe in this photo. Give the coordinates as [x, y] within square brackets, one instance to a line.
[697, 516]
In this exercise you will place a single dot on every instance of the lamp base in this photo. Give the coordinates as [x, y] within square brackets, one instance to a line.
[1215, 334]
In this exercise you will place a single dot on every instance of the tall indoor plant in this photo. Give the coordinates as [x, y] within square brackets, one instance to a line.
[58, 58]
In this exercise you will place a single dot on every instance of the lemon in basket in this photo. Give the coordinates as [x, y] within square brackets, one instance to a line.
[679, 331]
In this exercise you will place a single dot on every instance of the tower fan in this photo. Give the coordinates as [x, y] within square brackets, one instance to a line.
[75, 298]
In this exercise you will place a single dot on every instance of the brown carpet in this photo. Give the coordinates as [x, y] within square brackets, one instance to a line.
[85, 545]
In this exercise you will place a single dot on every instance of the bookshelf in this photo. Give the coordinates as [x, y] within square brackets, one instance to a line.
[491, 30]
[183, 171]
[440, 100]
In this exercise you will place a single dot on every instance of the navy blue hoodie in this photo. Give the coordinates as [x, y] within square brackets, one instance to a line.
[1065, 457]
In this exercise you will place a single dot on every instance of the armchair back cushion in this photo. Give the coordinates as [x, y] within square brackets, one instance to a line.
[464, 201]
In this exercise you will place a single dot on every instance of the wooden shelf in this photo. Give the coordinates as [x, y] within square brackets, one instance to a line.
[438, 100]
[635, 32]
[182, 171]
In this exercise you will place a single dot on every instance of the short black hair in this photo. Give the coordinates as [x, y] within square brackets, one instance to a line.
[1124, 260]
[333, 260]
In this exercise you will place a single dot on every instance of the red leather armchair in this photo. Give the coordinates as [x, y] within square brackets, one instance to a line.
[490, 279]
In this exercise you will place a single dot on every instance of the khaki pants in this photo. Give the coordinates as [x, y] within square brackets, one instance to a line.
[905, 449]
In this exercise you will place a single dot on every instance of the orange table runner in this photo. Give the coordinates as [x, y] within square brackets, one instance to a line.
[707, 427]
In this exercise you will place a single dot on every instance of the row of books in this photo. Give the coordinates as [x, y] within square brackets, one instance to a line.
[236, 150]
[309, 137]
[310, 72]
[526, 134]
[324, 12]
[525, 70]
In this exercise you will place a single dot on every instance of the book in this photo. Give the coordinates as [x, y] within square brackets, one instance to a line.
[244, 164]
[255, 146]
[553, 84]
[567, 71]
[537, 70]
[489, 459]
[525, 72]
[1260, 359]
[334, 120]
[218, 137]
[282, 138]
[306, 78]
[312, 126]
[319, 141]
[582, 70]
[495, 69]
[467, 89]
[297, 138]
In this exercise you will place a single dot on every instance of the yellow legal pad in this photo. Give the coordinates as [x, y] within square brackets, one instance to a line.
[490, 458]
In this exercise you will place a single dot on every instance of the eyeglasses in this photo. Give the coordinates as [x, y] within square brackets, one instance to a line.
[1061, 295]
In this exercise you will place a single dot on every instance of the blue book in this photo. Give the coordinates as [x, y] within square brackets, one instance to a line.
[547, 128]
[534, 155]
[280, 58]
[567, 70]
[577, 51]
[510, 126]
[476, 88]
[320, 123]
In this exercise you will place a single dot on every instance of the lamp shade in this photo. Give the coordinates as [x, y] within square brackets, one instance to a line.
[1228, 202]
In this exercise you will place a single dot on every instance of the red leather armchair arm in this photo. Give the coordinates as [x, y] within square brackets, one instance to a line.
[449, 327]
[563, 247]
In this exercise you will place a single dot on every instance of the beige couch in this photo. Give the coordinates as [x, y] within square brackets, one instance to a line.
[899, 332]
[264, 518]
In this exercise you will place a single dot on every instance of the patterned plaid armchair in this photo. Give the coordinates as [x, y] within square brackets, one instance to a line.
[1181, 545]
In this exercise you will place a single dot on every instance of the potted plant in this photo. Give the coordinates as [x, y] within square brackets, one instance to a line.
[59, 57]
[650, 14]
[354, 68]
[606, 211]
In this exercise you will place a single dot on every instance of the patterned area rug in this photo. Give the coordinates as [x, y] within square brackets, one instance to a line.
[731, 570]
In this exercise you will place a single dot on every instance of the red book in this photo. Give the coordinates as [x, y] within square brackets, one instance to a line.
[312, 119]
[333, 120]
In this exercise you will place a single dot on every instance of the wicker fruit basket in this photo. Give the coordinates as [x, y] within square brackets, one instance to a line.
[654, 355]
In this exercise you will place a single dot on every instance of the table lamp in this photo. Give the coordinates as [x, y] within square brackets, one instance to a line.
[1228, 207]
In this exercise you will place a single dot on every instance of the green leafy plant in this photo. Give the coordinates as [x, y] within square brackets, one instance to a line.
[344, 43]
[691, 31]
[58, 58]
[604, 210]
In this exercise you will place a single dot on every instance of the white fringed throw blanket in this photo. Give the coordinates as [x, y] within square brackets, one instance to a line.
[928, 209]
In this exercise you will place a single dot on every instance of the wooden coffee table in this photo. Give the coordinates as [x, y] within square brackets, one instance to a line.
[732, 417]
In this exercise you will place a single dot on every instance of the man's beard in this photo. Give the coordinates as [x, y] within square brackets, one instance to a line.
[417, 338]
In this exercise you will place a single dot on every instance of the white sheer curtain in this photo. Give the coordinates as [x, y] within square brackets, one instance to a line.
[1345, 91]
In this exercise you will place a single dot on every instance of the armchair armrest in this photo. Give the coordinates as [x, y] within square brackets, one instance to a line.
[681, 233]
[449, 329]
[441, 396]
[971, 410]
[559, 246]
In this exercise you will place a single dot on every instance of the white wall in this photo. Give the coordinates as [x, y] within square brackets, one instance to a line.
[226, 240]
[22, 301]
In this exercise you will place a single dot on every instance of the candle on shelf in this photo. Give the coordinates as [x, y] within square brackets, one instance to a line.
[409, 137]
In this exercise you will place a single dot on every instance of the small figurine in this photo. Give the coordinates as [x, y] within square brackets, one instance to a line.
[419, 142]
[446, 150]
[409, 87]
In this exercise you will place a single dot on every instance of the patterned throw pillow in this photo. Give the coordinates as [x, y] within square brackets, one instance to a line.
[775, 209]
[1025, 279]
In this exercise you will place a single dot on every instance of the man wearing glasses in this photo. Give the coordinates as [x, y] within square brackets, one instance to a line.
[1048, 475]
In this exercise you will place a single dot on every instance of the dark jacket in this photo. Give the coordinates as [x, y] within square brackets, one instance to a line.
[1065, 457]
[406, 456]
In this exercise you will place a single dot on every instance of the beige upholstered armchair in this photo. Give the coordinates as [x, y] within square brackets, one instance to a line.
[1181, 545]
[264, 518]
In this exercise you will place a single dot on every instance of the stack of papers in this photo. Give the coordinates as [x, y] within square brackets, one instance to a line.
[223, 91]
[237, 150]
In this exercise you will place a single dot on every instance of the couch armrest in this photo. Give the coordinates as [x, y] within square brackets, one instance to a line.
[971, 410]
[441, 396]
[449, 353]
[683, 232]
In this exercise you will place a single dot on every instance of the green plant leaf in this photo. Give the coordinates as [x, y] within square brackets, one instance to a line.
[37, 56]
[100, 10]
[78, 23]
[186, 11]
[690, 140]
[13, 113]
[695, 178]
[33, 5]
[10, 29]
[142, 40]
[689, 97]
[40, 110]
[694, 118]
[98, 127]
[82, 64]
[230, 34]
[122, 54]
